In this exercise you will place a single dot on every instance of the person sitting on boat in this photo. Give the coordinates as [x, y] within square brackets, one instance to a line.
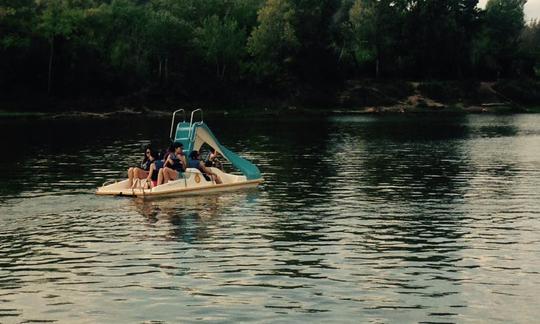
[174, 166]
[165, 153]
[213, 159]
[153, 173]
[137, 173]
[196, 163]
[155, 168]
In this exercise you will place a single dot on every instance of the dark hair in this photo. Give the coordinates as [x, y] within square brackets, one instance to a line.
[193, 155]
[177, 145]
[152, 152]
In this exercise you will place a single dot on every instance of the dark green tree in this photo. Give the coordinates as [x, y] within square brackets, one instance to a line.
[166, 48]
[273, 42]
[375, 33]
[167, 36]
[499, 40]
[530, 48]
[437, 37]
[16, 18]
[221, 42]
[58, 21]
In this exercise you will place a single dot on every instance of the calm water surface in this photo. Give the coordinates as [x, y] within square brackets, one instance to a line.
[360, 219]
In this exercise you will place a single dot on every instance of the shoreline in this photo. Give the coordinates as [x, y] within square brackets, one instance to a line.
[354, 97]
[277, 112]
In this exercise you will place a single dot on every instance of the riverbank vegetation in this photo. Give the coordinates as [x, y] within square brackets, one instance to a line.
[96, 54]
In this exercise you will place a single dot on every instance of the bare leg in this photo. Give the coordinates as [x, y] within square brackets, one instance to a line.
[140, 174]
[135, 183]
[150, 172]
[160, 178]
[165, 175]
[216, 179]
[130, 176]
[173, 174]
[169, 174]
[137, 175]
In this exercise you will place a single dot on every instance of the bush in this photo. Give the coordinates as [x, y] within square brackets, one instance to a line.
[450, 91]
[525, 92]
[368, 92]
[396, 89]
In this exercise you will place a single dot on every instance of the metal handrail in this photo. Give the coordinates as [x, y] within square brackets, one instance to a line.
[172, 121]
[193, 113]
[191, 122]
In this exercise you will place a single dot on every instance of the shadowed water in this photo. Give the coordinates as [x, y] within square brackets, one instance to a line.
[360, 219]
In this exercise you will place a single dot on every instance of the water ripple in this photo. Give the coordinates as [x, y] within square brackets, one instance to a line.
[359, 219]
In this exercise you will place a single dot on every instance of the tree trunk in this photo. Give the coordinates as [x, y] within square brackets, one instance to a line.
[378, 44]
[223, 72]
[377, 56]
[166, 69]
[377, 71]
[159, 70]
[51, 55]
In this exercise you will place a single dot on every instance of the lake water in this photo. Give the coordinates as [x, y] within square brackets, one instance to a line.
[360, 219]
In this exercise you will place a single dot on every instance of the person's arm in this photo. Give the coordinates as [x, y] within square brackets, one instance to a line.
[152, 168]
[205, 169]
[169, 162]
[214, 176]
[184, 162]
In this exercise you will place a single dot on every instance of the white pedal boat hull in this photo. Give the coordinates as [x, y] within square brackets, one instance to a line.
[193, 183]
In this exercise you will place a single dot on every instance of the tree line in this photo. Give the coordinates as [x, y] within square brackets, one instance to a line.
[194, 48]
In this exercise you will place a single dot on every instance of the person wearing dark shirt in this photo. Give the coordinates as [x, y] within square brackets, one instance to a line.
[137, 173]
[196, 163]
[174, 166]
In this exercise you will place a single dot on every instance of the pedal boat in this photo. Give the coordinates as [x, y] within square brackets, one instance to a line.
[192, 135]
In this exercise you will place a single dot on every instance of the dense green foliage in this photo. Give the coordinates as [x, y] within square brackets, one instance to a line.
[192, 49]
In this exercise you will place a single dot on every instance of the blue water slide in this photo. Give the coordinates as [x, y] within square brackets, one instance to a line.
[249, 169]
[186, 134]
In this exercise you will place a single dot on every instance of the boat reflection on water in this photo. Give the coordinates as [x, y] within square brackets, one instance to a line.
[192, 218]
